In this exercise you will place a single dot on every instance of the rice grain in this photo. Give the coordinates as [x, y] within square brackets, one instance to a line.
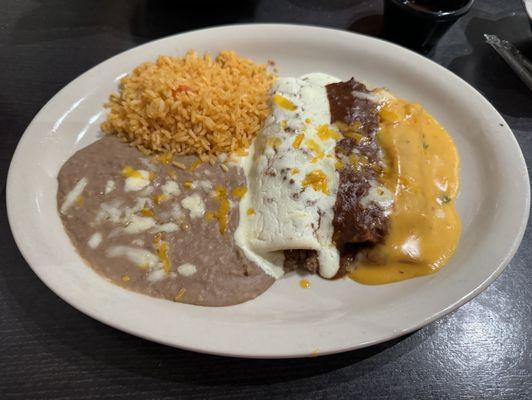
[191, 105]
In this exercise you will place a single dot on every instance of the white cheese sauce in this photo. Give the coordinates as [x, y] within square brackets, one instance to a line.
[289, 212]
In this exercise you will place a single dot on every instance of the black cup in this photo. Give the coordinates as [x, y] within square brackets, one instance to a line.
[419, 24]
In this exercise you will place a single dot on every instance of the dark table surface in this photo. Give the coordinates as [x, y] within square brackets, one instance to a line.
[50, 350]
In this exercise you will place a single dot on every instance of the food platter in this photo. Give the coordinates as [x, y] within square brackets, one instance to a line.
[330, 316]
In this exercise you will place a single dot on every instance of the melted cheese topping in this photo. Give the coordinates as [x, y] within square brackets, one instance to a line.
[165, 158]
[136, 179]
[187, 269]
[95, 240]
[317, 180]
[325, 132]
[195, 205]
[167, 227]
[298, 140]
[239, 192]
[141, 257]
[283, 102]
[72, 196]
[162, 251]
[109, 186]
[292, 179]
[171, 188]
[160, 198]
[304, 283]
[156, 275]
[424, 177]
[224, 206]
[137, 224]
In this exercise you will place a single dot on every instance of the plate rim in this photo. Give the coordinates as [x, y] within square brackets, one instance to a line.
[22, 247]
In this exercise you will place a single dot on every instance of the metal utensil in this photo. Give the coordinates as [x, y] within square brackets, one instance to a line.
[521, 65]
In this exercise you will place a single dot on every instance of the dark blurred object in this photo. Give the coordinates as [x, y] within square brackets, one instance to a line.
[419, 24]
[527, 4]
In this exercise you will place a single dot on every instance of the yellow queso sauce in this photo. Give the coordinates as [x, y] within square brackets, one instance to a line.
[423, 174]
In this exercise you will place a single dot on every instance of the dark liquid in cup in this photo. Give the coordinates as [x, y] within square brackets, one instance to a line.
[418, 24]
[435, 5]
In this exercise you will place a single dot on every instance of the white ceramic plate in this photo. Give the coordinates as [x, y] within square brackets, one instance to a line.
[286, 321]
